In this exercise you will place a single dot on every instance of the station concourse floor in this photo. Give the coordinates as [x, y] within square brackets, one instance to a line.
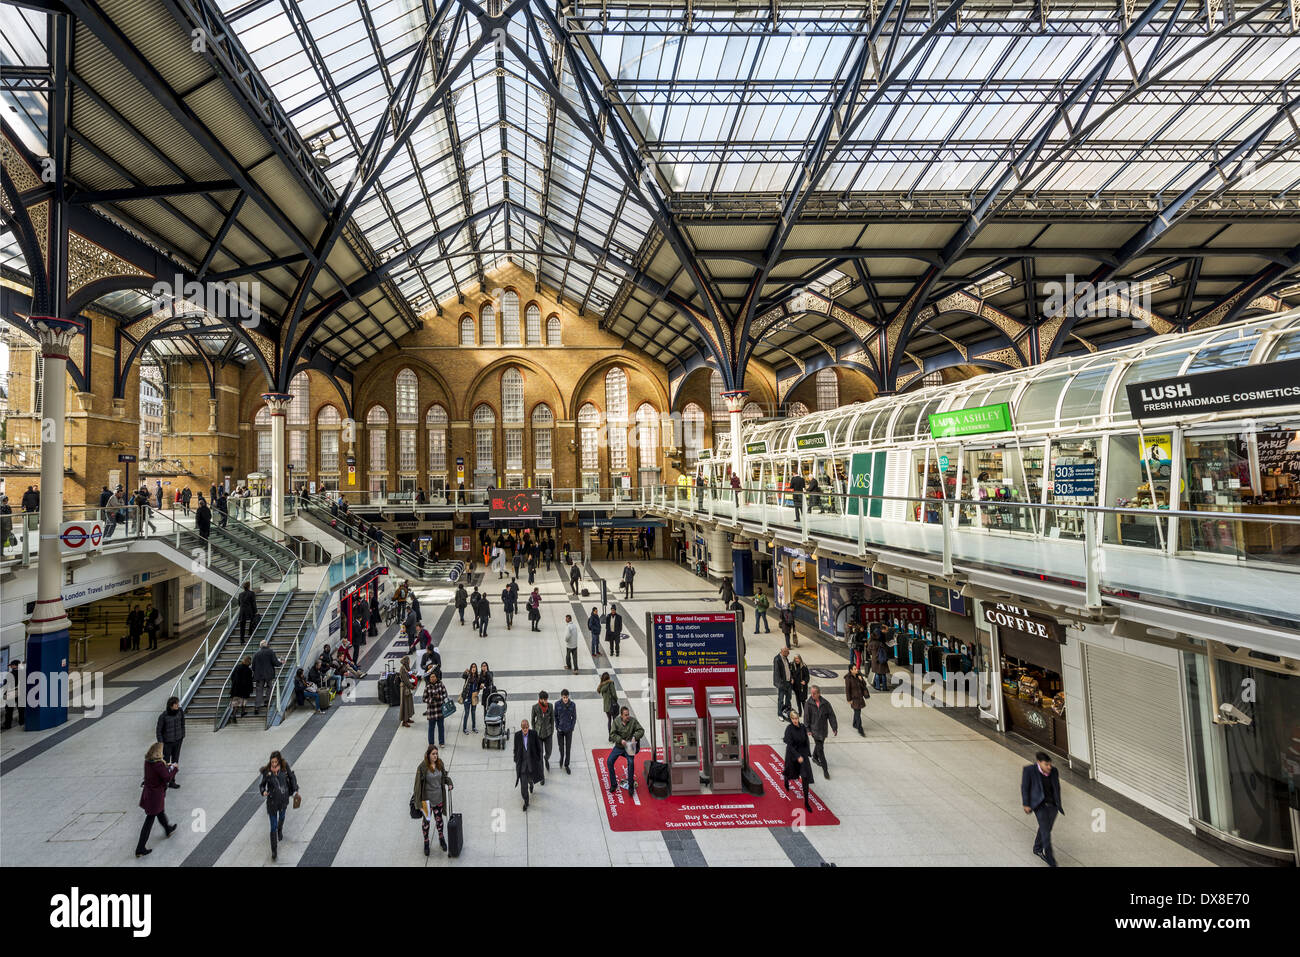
[922, 788]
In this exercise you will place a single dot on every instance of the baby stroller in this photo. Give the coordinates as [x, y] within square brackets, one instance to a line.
[494, 721]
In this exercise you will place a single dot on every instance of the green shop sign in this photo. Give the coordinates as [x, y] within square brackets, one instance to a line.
[982, 418]
[705, 455]
[867, 477]
[813, 440]
[756, 448]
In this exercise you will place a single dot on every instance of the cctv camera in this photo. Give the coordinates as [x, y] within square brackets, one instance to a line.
[1231, 714]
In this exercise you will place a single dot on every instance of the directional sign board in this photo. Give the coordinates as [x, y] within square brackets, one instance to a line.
[693, 650]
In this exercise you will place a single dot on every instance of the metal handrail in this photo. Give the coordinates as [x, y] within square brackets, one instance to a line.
[290, 579]
[207, 647]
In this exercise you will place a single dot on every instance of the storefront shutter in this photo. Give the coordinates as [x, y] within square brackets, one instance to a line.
[1138, 739]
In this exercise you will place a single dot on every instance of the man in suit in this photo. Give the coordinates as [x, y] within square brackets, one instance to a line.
[528, 760]
[1040, 795]
[613, 630]
[629, 573]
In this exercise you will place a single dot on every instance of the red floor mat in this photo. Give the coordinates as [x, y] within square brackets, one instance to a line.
[776, 808]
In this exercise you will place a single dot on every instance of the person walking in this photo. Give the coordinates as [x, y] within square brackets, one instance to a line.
[798, 758]
[739, 610]
[508, 604]
[786, 621]
[613, 630]
[412, 628]
[158, 775]
[593, 626]
[727, 592]
[462, 599]
[15, 696]
[532, 568]
[170, 733]
[799, 678]
[265, 665]
[534, 610]
[407, 683]
[796, 487]
[203, 518]
[856, 693]
[528, 761]
[484, 615]
[435, 699]
[469, 699]
[566, 719]
[279, 786]
[185, 499]
[543, 722]
[574, 575]
[783, 679]
[1040, 795]
[818, 716]
[158, 493]
[429, 797]
[474, 599]
[247, 612]
[878, 661]
[625, 735]
[241, 689]
[6, 523]
[570, 644]
[223, 506]
[629, 576]
[761, 604]
[608, 698]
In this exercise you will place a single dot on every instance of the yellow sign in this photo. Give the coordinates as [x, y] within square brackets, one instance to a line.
[352, 475]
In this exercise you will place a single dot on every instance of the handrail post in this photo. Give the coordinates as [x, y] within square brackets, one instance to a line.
[947, 537]
[803, 514]
[1092, 560]
[862, 525]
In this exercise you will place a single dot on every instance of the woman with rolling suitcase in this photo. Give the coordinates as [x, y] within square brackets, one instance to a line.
[429, 799]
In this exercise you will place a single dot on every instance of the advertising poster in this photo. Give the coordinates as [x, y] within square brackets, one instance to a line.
[781, 572]
[462, 543]
[839, 587]
[867, 477]
[1158, 454]
[693, 650]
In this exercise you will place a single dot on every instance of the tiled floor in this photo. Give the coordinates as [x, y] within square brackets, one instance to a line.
[921, 788]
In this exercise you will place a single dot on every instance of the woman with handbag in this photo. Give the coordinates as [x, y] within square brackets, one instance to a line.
[608, 698]
[429, 799]
[855, 690]
[407, 682]
[534, 610]
[280, 788]
[435, 699]
[469, 699]
[158, 776]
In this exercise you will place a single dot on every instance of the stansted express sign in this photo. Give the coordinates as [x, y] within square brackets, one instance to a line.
[976, 421]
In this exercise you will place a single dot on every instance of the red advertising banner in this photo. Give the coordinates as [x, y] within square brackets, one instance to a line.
[523, 503]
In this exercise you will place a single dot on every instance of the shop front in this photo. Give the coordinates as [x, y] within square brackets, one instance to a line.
[355, 627]
[1033, 691]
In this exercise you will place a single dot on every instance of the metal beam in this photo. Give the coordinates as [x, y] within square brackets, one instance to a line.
[87, 198]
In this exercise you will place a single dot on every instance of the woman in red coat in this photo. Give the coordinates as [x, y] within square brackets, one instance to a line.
[157, 775]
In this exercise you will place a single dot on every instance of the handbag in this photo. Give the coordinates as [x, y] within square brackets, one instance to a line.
[448, 708]
[416, 813]
[297, 800]
[474, 700]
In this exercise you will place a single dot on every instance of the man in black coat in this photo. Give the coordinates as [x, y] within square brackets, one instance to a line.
[796, 491]
[247, 612]
[265, 664]
[529, 764]
[613, 630]
[170, 733]
[203, 518]
[1040, 795]
[574, 575]
[484, 613]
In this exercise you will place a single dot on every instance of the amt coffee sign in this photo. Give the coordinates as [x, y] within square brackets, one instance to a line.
[1250, 387]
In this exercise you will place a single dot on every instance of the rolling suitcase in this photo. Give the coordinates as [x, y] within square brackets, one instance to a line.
[124, 644]
[455, 831]
[323, 696]
[394, 689]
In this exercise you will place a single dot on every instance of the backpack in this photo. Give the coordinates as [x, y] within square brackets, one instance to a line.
[882, 654]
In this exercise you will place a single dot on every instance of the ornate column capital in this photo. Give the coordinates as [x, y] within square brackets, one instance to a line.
[735, 400]
[56, 335]
[277, 402]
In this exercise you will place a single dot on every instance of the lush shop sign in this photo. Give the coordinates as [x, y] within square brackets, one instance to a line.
[867, 477]
[976, 421]
[1017, 619]
[1251, 387]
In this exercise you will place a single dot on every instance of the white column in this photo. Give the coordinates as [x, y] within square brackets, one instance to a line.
[735, 405]
[277, 403]
[47, 629]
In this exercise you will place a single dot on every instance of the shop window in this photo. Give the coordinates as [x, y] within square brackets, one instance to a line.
[1217, 479]
[1073, 479]
[1137, 476]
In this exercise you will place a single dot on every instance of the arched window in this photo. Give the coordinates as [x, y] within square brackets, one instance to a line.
[262, 424]
[467, 331]
[408, 398]
[512, 397]
[693, 430]
[327, 427]
[589, 437]
[543, 424]
[752, 410]
[262, 419]
[435, 420]
[377, 426]
[797, 409]
[299, 411]
[715, 394]
[553, 331]
[647, 435]
[533, 325]
[510, 319]
[828, 390]
[487, 318]
[616, 417]
[485, 421]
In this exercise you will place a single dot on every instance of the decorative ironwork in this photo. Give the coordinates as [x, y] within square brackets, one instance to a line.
[90, 262]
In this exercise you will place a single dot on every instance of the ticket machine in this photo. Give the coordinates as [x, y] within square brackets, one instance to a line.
[724, 754]
[683, 739]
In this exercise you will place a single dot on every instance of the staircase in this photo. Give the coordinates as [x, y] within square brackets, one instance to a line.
[246, 536]
[226, 553]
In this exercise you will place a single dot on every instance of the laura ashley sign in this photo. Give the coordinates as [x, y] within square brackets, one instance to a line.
[1249, 387]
